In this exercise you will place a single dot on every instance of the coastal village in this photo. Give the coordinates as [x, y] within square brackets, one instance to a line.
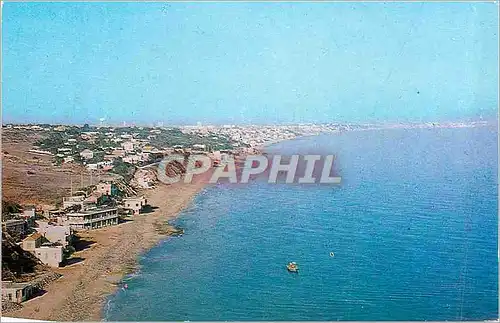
[101, 179]
[109, 169]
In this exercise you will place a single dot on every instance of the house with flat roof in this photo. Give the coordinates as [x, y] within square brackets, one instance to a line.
[16, 292]
[73, 200]
[128, 146]
[93, 218]
[87, 154]
[57, 216]
[47, 253]
[92, 166]
[106, 188]
[50, 255]
[81, 200]
[135, 204]
[28, 215]
[29, 211]
[132, 159]
[15, 226]
[61, 234]
[199, 147]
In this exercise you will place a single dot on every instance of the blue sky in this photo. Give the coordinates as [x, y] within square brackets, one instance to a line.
[248, 62]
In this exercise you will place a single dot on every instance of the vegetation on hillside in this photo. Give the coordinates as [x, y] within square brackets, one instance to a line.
[124, 169]
[9, 207]
[15, 261]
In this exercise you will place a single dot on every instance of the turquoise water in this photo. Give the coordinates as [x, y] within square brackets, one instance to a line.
[413, 227]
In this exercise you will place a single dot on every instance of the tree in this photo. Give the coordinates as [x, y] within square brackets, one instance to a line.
[124, 169]
[10, 207]
[105, 200]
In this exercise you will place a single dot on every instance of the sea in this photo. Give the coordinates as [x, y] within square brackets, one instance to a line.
[410, 233]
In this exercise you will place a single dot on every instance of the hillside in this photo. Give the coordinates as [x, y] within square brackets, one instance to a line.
[29, 178]
[18, 265]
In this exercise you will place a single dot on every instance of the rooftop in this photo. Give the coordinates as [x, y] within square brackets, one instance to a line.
[74, 198]
[48, 246]
[14, 221]
[56, 212]
[33, 237]
[92, 211]
[134, 198]
[10, 284]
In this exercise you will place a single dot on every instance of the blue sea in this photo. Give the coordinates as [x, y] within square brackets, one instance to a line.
[413, 228]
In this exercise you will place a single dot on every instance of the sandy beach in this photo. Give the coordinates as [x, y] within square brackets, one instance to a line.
[110, 254]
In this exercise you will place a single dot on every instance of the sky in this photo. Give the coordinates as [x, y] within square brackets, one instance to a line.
[240, 62]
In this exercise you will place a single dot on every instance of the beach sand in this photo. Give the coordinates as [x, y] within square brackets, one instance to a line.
[81, 293]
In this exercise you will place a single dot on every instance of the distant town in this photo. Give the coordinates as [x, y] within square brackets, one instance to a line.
[105, 147]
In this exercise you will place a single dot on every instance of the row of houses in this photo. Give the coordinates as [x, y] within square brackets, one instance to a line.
[44, 240]
[88, 215]
[49, 239]
[133, 151]
[47, 244]
[50, 254]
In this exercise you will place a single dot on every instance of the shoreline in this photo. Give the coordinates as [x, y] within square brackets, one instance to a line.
[81, 293]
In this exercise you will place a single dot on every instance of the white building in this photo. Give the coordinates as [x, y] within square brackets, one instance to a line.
[128, 146]
[135, 204]
[55, 233]
[50, 255]
[93, 218]
[104, 188]
[87, 154]
[199, 146]
[132, 159]
[73, 200]
[92, 166]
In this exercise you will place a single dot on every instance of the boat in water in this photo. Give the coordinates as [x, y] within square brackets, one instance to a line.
[292, 267]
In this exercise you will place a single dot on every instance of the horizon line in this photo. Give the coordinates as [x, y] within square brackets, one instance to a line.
[163, 125]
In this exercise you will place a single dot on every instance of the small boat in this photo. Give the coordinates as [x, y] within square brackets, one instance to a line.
[292, 267]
